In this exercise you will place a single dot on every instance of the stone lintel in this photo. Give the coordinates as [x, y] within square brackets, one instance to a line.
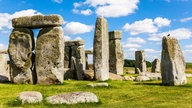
[74, 43]
[116, 34]
[88, 52]
[37, 21]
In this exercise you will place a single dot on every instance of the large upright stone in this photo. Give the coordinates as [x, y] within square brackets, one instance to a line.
[101, 50]
[155, 66]
[75, 58]
[49, 56]
[116, 56]
[37, 21]
[4, 70]
[140, 61]
[172, 62]
[21, 45]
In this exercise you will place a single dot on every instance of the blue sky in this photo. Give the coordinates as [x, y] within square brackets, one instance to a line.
[143, 22]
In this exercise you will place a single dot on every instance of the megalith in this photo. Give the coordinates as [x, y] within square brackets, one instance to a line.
[155, 66]
[140, 61]
[172, 62]
[21, 45]
[101, 50]
[116, 56]
[49, 60]
[75, 58]
[4, 69]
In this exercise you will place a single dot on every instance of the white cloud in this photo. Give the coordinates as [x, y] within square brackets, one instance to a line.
[86, 12]
[186, 19]
[136, 40]
[132, 49]
[142, 26]
[162, 22]
[78, 38]
[5, 18]
[130, 45]
[77, 28]
[58, 1]
[111, 8]
[180, 33]
[188, 46]
[146, 26]
[151, 51]
[3, 47]
[67, 38]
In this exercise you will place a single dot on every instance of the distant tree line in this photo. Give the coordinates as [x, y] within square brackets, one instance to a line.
[131, 63]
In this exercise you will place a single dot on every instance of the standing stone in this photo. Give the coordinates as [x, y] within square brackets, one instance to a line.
[49, 56]
[101, 50]
[86, 57]
[172, 62]
[116, 56]
[140, 61]
[4, 70]
[21, 45]
[155, 66]
[75, 59]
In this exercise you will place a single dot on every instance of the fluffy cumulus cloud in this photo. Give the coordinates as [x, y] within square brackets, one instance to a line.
[3, 47]
[136, 40]
[77, 28]
[5, 18]
[188, 46]
[110, 8]
[58, 1]
[186, 19]
[146, 26]
[131, 45]
[180, 33]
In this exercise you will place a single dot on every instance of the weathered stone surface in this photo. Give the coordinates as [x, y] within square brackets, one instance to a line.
[50, 56]
[101, 50]
[21, 45]
[155, 66]
[172, 62]
[142, 78]
[3, 52]
[37, 21]
[30, 97]
[75, 59]
[4, 70]
[73, 98]
[128, 78]
[86, 57]
[99, 85]
[116, 56]
[140, 61]
[151, 76]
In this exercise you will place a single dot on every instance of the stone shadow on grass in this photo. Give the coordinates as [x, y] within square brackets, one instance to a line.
[149, 83]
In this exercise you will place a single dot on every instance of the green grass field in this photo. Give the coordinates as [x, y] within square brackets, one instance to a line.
[120, 94]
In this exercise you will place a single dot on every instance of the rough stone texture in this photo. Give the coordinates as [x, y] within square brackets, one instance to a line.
[86, 57]
[116, 56]
[73, 98]
[128, 78]
[155, 66]
[4, 70]
[3, 52]
[101, 50]
[172, 62]
[142, 78]
[99, 85]
[75, 59]
[37, 21]
[140, 61]
[151, 76]
[30, 97]
[50, 56]
[21, 45]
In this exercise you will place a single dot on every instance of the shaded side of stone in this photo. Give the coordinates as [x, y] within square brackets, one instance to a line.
[50, 56]
[116, 56]
[101, 50]
[155, 66]
[140, 61]
[172, 62]
[21, 45]
[37, 21]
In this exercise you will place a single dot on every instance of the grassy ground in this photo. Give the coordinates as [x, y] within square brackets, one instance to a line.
[120, 94]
